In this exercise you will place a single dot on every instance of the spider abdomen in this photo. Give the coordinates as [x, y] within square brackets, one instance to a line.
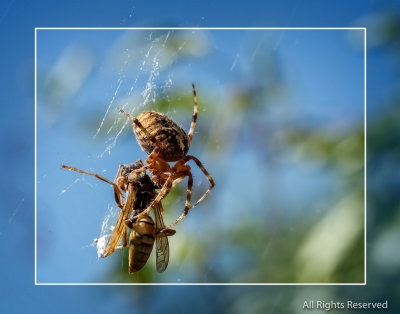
[173, 139]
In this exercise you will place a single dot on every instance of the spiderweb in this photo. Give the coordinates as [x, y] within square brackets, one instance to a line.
[107, 228]
[147, 63]
[147, 73]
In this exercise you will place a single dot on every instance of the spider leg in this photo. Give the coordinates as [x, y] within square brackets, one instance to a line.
[124, 240]
[144, 168]
[167, 233]
[210, 179]
[188, 197]
[116, 195]
[176, 181]
[194, 117]
[119, 197]
[118, 173]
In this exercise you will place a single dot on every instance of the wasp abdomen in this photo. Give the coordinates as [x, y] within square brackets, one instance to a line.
[141, 243]
[174, 140]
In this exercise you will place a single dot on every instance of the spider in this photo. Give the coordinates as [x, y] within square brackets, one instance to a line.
[164, 141]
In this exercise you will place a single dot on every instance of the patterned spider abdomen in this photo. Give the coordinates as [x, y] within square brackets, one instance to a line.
[174, 140]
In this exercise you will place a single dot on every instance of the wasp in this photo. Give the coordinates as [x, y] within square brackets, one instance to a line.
[144, 230]
[140, 192]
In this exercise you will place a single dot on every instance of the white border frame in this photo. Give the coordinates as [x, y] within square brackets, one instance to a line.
[214, 28]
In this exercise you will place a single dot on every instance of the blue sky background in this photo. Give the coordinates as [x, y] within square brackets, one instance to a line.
[325, 79]
[18, 20]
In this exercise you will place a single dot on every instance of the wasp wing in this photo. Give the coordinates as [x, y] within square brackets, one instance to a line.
[120, 227]
[162, 245]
